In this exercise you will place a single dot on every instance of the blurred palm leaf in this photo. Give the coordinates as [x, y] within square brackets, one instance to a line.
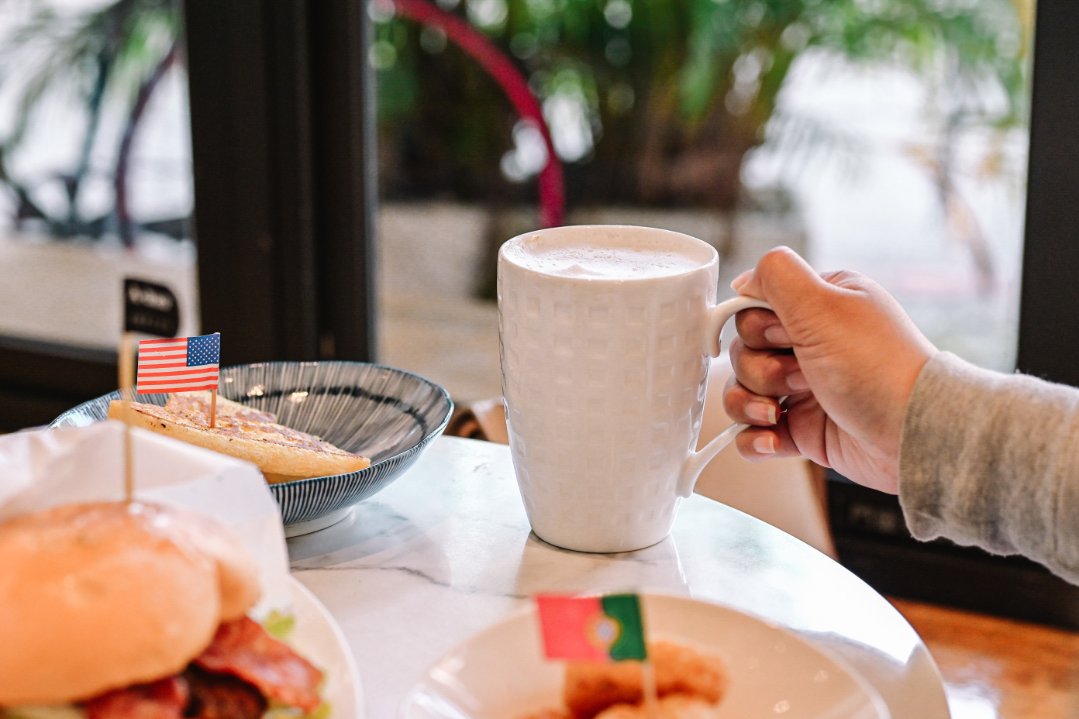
[97, 58]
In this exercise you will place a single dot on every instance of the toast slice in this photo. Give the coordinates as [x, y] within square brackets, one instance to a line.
[282, 453]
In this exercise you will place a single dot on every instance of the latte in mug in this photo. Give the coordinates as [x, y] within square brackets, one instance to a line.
[605, 337]
[631, 261]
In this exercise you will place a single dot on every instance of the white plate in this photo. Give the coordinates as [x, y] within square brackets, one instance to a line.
[501, 673]
[318, 638]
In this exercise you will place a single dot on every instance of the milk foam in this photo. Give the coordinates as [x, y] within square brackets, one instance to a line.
[586, 261]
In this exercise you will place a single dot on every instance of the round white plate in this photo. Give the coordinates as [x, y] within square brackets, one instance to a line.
[500, 673]
[318, 638]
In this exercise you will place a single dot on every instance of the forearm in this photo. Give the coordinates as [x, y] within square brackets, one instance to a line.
[991, 459]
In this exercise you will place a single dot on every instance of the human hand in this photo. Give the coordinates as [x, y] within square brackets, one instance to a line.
[844, 353]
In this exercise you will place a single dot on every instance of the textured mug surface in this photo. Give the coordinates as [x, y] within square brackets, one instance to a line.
[603, 346]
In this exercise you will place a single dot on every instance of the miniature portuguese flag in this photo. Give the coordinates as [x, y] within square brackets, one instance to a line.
[602, 629]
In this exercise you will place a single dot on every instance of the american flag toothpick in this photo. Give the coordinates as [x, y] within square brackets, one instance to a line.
[149, 308]
[182, 364]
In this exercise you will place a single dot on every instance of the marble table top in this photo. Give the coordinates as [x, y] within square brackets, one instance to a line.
[446, 551]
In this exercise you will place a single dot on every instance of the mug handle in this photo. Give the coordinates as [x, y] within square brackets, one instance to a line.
[717, 318]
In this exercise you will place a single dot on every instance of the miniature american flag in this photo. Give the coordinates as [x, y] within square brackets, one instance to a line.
[184, 364]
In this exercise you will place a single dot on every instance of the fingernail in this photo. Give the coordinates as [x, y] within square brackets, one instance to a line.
[777, 334]
[797, 382]
[765, 444]
[741, 280]
[761, 412]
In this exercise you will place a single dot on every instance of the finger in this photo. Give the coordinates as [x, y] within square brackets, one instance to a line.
[766, 372]
[759, 443]
[848, 280]
[780, 277]
[744, 407]
[792, 288]
[761, 329]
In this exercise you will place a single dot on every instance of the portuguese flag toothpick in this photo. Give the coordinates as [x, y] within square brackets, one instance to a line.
[598, 628]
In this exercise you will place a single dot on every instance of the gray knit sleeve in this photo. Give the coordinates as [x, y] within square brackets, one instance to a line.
[992, 460]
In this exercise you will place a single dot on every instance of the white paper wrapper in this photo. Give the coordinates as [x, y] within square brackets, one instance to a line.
[44, 468]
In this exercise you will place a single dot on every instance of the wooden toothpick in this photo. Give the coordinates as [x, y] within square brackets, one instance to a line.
[127, 381]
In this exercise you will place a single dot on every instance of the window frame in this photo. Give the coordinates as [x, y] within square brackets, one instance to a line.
[1049, 292]
[282, 126]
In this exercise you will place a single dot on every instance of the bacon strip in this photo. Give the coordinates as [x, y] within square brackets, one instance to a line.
[222, 696]
[163, 699]
[243, 649]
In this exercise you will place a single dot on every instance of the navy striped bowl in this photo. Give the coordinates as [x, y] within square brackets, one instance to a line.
[380, 412]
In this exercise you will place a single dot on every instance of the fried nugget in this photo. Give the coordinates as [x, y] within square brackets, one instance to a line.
[679, 670]
[675, 706]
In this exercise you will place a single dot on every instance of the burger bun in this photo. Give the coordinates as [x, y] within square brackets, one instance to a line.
[102, 595]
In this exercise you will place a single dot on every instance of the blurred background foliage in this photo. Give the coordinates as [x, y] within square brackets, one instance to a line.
[650, 102]
[96, 64]
[658, 102]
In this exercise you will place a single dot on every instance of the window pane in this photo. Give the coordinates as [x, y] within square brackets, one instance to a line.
[95, 169]
[910, 165]
[888, 137]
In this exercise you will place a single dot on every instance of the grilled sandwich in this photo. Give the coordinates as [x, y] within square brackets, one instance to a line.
[282, 453]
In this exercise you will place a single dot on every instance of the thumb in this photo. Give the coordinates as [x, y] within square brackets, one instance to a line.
[782, 279]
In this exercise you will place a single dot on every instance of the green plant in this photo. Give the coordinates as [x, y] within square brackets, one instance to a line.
[667, 97]
[108, 58]
[673, 94]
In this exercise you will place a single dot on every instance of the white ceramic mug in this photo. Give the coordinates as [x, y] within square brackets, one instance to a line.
[605, 337]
